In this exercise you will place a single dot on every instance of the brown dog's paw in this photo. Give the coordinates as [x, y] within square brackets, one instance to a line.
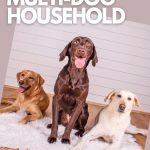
[51, 140]
[79, 133]
[49, 126]
[65, 141]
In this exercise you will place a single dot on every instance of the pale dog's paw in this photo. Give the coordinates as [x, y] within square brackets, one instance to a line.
[23, 121]
[144, 132]
[134, 130]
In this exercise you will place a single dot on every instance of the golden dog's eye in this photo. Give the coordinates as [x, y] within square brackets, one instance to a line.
[31, 78]
[22, 75]
[129, 99]
[119, 95]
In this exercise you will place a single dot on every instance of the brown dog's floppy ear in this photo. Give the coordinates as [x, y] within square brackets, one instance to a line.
[137, 102]
[94, 57]
[40, 80]
[65, 52]
[110, 95]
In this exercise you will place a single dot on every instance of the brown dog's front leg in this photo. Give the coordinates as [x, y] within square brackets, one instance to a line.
[66, 135]
[55, 112]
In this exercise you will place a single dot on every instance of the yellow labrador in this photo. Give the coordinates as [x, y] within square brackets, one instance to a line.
[112, 121]
[31, 96]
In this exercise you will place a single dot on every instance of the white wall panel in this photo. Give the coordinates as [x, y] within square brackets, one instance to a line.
[123, 51]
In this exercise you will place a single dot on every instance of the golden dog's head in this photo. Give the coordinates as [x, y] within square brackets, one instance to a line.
[122, 101]
[29, 81]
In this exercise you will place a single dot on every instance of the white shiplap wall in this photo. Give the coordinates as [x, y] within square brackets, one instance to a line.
[123, 51]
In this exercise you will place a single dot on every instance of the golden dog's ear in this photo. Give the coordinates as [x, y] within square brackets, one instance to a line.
[94, 57]
[40, 80]
[18, 75]
[137, 101]
[65, 52]
[110, 95]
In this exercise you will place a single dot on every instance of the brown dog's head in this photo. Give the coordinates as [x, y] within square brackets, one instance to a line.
[28, 81]
[80, 51]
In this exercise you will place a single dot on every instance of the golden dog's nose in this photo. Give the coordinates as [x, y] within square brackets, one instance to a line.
[21, 82]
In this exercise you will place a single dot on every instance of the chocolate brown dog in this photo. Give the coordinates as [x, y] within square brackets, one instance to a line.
[71, 89]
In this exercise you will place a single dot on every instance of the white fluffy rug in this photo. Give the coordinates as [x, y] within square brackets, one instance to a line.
[33, 136]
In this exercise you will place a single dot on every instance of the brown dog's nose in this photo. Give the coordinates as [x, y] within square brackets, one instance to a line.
[81, 51]
[21, 82]
[122, 107]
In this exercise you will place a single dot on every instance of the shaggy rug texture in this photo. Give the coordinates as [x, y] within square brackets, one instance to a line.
[33, 136]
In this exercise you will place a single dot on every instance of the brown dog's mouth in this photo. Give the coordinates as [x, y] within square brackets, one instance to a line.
[23, 89]
[80, 62]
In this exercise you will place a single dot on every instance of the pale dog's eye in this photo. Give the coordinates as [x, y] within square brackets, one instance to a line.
[129, 99]
[119, 95]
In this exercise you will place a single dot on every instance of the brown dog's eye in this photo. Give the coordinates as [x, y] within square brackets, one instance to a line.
[129, 98]
[119, 95]
[89, 47]
[75, 42]
[31, 78]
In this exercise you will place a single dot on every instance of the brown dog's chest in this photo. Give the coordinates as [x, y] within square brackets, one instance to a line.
[70, 91]
[69, 97]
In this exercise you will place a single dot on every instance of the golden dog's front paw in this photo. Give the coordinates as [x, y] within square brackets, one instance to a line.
[1, 111]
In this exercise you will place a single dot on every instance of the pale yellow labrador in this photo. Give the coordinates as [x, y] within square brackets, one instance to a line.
[112, 121]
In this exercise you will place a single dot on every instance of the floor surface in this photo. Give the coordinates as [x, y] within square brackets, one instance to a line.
[139, 119]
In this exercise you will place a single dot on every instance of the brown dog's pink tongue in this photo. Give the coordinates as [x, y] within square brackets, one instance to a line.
[80, 62]
[21, 90]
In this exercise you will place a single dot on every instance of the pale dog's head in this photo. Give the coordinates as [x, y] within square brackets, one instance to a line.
[122, 101]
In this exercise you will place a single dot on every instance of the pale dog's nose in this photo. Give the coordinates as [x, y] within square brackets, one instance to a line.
[122, 107]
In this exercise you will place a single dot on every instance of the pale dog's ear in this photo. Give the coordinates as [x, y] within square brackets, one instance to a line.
[110, 95]
[137, 101]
